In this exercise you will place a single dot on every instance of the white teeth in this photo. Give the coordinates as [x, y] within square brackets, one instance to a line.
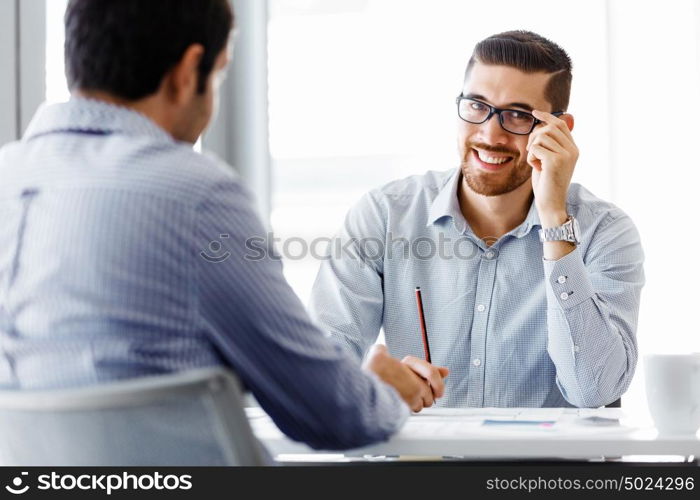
[491, 159]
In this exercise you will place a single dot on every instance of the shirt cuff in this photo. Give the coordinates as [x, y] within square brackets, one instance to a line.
[400, 409]
[568, 283]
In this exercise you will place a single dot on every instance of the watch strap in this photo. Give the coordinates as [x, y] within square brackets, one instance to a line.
[565, 232]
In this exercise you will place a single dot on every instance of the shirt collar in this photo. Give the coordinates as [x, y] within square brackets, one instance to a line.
[93, 117]
[532, 220]
[446, 204]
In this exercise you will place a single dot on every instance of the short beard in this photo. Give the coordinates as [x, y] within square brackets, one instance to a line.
[481, 183]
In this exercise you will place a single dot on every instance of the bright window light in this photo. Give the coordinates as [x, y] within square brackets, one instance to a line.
[56, 87]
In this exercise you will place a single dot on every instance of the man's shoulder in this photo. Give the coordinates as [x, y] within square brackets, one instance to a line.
[196, 172]
[137, 164]
[170, 170]
[588, 207]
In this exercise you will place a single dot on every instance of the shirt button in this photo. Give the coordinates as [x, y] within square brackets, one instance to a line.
[477, 362]
[576, 348]
[481, 308]
[561, 280]
[564, 296]
[490, 255]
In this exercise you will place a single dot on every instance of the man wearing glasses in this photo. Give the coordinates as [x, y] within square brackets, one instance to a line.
[530, 284]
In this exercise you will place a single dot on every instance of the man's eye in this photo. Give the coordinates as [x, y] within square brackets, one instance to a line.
[477, 106]
[520, 117]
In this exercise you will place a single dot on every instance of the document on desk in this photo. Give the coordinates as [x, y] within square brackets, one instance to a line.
[457, 421]
[440, 422]
[527, 419]
[468, 413]
[496, 414]
[535, 415]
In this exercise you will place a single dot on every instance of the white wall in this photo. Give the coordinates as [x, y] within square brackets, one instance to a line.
[656, 171]
[655, 89]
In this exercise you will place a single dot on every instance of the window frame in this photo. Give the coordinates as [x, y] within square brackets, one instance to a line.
[22, 84]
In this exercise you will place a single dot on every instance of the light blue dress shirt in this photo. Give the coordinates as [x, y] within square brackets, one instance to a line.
[514, 330]
[122, 254]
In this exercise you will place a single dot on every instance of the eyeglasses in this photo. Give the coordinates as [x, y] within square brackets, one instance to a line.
[511, 120]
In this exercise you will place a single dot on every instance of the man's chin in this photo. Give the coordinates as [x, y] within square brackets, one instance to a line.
[493, 183]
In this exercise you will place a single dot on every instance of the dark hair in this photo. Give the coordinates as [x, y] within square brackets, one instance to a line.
[530, 53]
[125, 47]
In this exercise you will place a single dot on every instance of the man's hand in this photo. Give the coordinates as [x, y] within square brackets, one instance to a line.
[412, 388]
[552, 154]
[432, 374]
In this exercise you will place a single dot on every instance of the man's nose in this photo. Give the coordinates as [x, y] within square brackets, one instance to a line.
[491, 132]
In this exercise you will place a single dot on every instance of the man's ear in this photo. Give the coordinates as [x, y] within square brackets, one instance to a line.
[569, 120]
[183, 79]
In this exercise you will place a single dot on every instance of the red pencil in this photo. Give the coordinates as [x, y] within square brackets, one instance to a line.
[423, 329]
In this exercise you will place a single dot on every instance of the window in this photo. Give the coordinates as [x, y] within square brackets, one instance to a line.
[56, 86]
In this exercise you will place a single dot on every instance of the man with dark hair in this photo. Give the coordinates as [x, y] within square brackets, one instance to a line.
[530, 284]
[108, 215]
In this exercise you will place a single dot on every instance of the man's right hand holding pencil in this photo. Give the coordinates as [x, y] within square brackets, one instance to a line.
[418, 382]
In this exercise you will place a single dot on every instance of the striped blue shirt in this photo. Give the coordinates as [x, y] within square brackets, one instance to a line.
[122, 254]
[514, 330]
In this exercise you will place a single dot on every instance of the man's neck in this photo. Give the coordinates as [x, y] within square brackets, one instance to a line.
[151, 106]
[490, 217]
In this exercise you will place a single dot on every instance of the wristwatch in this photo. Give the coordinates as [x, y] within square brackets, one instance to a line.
[569, 231]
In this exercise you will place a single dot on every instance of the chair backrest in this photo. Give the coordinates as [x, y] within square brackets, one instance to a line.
[615, 404]
[189, 418]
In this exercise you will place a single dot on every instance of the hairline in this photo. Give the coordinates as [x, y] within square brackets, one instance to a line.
[474, 59]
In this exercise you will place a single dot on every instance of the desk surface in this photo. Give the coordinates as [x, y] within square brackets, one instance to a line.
[512, 433]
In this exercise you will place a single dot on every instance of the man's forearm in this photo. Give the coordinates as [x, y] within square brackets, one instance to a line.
[594, 360]
[592, 346]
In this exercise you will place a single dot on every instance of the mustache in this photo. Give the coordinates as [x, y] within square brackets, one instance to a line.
[491, 149]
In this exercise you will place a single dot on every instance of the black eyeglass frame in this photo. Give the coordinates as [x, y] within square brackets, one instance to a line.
[497, 111]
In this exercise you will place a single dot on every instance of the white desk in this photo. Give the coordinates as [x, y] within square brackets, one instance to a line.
[445, 432]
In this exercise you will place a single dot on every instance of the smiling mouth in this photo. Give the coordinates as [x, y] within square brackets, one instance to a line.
[491, 161]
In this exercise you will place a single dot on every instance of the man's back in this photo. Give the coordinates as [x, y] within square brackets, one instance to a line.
[104, 275]
[97, 250]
